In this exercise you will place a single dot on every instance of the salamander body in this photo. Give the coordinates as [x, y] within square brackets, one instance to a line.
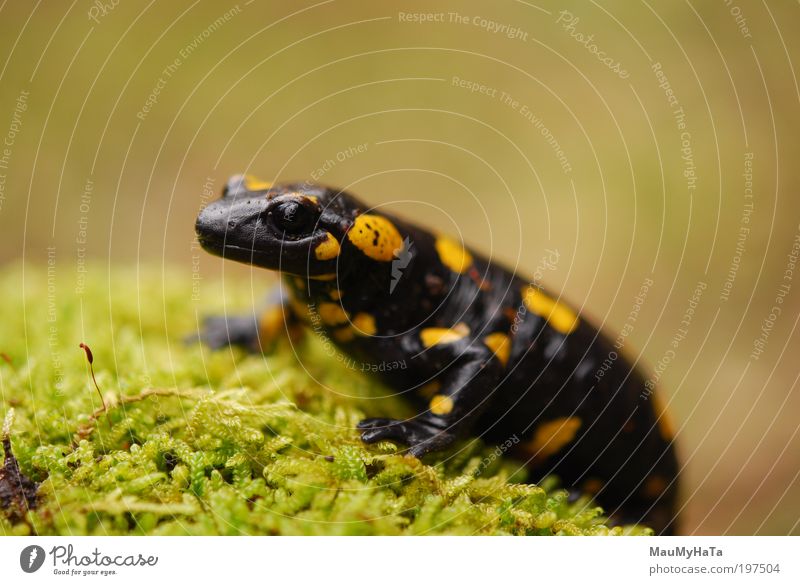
[488, 353]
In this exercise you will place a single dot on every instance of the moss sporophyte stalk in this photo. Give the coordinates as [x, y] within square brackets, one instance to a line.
[207, 443]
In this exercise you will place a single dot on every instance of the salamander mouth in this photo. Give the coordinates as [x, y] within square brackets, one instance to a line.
[247, 254]
[275, 258]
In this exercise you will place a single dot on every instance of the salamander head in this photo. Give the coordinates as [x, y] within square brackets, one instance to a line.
[295, 228]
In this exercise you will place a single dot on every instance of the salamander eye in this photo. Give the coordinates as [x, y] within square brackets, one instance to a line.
[292, 216]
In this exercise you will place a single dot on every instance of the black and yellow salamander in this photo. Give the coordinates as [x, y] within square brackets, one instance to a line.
[488, 353]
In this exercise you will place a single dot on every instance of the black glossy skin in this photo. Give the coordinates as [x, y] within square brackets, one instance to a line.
[620, 449]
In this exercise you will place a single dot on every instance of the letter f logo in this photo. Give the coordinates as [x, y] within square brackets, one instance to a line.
[31, 558]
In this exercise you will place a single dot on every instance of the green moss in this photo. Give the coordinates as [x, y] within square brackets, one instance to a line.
[201, 442]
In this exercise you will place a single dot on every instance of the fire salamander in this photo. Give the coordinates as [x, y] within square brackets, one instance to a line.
[487, 352]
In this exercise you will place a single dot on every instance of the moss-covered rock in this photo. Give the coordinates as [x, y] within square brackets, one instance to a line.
[200, 442]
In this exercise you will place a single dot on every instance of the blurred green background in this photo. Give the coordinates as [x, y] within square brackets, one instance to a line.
[674, 160]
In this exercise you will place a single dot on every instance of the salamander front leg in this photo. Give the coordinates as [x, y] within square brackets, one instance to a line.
[419, 435]
[465, 390]
[220, 331]
[256, 331]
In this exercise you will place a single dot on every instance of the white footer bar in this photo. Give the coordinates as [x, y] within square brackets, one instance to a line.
[400, 560]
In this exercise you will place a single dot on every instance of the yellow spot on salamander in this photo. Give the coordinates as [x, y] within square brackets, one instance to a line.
[500, 344]
[328, 249]
[429, 389]
[270, 324]
[324, 277]
[553, 436]
[431, 336]
[558, 315]
[441, 404]
[335, 294]
[376, 236]
[300, 309]
[364, 324]
[332, 313]
[666, 425]
[452, 254]
[344, 334]
[252, 183]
